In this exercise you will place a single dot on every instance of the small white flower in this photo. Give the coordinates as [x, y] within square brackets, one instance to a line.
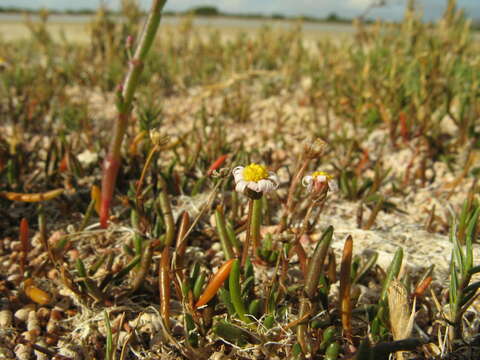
[254, 177]
[315, 181]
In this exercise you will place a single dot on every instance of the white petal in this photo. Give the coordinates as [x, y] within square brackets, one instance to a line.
[252, 185]
[333, 186]
[237, 169]
[307, 181]
[321, 178]
[274, 179]
[238, 173]
[267, 185]
[238, 177]
[241, 185]
[273, 186]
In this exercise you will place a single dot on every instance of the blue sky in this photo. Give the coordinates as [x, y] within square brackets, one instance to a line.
[431, 8]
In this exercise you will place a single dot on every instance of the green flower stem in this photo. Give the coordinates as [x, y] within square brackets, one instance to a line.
[124, 105]
[255, 224]
[246, 245]
[235, 292]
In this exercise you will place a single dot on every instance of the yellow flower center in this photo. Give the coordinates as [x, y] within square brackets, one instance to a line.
[322, 173]
[255, 172]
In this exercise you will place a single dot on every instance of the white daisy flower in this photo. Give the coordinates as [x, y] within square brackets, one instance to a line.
[318, 180]
[254, 177]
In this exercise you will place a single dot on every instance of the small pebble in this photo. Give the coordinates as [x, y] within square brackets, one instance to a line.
[5, 319]
[23, 351]
[22, 314]
[33, 326]
[43, 314]
[52, 274]
[73, 254]
[16, 246]
[6, 353]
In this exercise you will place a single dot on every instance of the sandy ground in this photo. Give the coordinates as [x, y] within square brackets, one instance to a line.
[78, 31]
